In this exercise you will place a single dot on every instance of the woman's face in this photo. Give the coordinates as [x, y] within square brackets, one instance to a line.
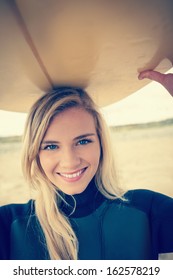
[70, 151]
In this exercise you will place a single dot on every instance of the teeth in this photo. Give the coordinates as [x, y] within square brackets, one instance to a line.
[72, 175]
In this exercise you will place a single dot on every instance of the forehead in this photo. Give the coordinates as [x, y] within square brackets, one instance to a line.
[71, 122]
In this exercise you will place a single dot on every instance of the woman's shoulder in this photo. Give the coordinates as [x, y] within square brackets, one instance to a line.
[146, 194]
[11, 212]
[150, 201]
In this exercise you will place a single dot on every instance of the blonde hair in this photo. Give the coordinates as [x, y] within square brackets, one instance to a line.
[60, 238]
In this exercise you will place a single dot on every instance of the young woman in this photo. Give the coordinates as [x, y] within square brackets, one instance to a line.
[79, 211]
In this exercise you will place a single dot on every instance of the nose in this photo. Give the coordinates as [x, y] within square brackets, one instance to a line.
[70, 160]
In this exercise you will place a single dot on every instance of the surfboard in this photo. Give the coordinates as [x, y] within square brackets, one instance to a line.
[99, 45]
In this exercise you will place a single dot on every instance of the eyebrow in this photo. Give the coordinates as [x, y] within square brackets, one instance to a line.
[76, 138]
[84, 135]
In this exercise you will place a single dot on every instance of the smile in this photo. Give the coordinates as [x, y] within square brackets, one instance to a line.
[72, 175]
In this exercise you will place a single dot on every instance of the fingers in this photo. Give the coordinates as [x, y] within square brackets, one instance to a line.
[152, 75]
[165, 80]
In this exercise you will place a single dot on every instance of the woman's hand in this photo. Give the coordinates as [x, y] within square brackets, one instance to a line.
[165, 80]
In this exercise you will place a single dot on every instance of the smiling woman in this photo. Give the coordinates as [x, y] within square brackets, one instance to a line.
[80, 212]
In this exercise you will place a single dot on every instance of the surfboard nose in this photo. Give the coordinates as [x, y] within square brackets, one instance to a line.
[99, 45]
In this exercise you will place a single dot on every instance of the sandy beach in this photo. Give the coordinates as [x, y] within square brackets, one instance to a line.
[144, 159]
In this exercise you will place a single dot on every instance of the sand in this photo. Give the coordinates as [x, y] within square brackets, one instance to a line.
[144, 159]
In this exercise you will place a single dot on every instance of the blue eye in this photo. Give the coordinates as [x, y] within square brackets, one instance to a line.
[50, 147]
[84, 142]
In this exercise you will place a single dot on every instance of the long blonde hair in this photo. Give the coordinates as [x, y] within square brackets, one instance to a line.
[60, 238]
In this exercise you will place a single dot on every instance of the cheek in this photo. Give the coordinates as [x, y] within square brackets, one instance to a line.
[95, 155]
[46, 162]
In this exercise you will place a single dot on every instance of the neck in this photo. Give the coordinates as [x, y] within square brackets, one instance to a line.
[82, 204]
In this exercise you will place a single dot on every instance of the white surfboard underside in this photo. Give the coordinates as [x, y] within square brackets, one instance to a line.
[98, 45]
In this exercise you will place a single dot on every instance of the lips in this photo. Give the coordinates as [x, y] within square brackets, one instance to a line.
[73, 175]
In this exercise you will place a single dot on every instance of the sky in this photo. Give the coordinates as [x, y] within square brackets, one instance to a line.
[150, 104]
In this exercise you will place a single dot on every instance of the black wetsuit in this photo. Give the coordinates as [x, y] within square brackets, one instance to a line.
[138, 229]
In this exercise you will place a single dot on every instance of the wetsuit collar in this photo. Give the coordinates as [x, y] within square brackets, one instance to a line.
[83, 204]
